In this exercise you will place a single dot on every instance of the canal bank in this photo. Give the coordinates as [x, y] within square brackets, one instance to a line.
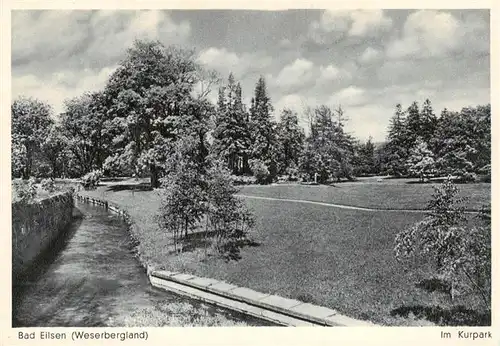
[272, 308]
[92, 279]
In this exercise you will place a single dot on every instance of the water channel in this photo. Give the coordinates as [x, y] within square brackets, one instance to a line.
[91, 278]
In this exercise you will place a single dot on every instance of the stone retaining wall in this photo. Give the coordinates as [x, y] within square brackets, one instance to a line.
[36, 225]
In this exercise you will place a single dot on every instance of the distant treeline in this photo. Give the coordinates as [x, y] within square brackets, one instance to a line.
[158, 95]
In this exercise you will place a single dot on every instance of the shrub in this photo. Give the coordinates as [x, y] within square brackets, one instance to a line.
[462, 253]
[228, 218]
[26, 191]
[243, 179]
[91, 179]
[48, 185]
[260, 171]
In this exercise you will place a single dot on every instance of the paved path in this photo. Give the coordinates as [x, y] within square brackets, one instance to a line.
[342, 206]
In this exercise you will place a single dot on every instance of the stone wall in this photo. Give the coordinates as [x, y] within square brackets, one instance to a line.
[35, 226]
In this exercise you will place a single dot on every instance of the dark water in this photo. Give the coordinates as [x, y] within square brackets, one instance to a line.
[91, 278]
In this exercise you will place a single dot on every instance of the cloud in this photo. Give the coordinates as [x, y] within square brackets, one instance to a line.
[60, 85]
[297, 103]
[350, 96]
[91, 38]
[427, 33]
[225, 61]
[369, 55]
[359, 23]
[297, 73]
[368, 121]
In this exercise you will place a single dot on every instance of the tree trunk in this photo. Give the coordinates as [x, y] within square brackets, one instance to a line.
[155, 182]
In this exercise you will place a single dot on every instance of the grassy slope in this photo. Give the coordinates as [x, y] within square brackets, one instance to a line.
[334, 257]
[374, 195]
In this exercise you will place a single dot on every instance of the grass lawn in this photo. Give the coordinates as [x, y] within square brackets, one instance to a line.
[334, 257]
[394, 194]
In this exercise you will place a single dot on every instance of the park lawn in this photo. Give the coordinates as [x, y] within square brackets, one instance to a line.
[333, 257]
[383, 195]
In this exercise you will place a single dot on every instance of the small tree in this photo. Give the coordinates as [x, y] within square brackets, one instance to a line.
[183, 190]
[228, 219]
[461, 253]
[421, 161]
[260, 171]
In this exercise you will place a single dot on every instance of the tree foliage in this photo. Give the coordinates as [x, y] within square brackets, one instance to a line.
[83, 126]
[421, 160]
[231, 135]
[148, 95]
[263, 129]
[328, 149]
[461, 253]
[290, 141]
[31, 124]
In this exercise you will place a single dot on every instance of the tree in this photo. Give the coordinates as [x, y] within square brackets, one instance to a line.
[31, 124]
[232, 133]
[428, 122]
[263, 131]
[83, 125]
[228, 219]
[290, 140]
[461, 253]
[55, 151]
[328, 150]
[365, 158]
[421, 161]
[148, 94]
[412, 126]
[396, 151]
[183, 194]
[463, 142]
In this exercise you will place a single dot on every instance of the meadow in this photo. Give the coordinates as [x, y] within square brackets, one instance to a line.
[328, 256]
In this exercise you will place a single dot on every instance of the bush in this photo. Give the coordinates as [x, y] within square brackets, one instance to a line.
[260, 171]
[243, 179]
[462, 254]
[26, 191]
[91, 179]
[228, 219]
[49, 185]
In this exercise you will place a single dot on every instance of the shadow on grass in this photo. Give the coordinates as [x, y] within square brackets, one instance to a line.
[434, 285]
[130, 187]
[230, 251]
[456, 316]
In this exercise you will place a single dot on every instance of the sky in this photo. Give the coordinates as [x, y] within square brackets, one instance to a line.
[366, 61]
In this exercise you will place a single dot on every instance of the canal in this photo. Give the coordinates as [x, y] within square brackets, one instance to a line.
[91, 278]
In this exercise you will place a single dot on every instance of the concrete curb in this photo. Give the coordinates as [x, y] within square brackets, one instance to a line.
[280, 310]
[309, 313]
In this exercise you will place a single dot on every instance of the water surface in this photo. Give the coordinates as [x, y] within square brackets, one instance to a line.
[92, 279]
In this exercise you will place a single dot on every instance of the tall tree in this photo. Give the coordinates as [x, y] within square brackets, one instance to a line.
[428, 122]
[413, 125]
[463, 141]
[396, 151]
[31, 124]
[290, 140]
[366, 158]
[83, 125]
[329, 150]
[148, 94]
[55, 151]
[421, 160]
[263, 133]
[232, 133]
